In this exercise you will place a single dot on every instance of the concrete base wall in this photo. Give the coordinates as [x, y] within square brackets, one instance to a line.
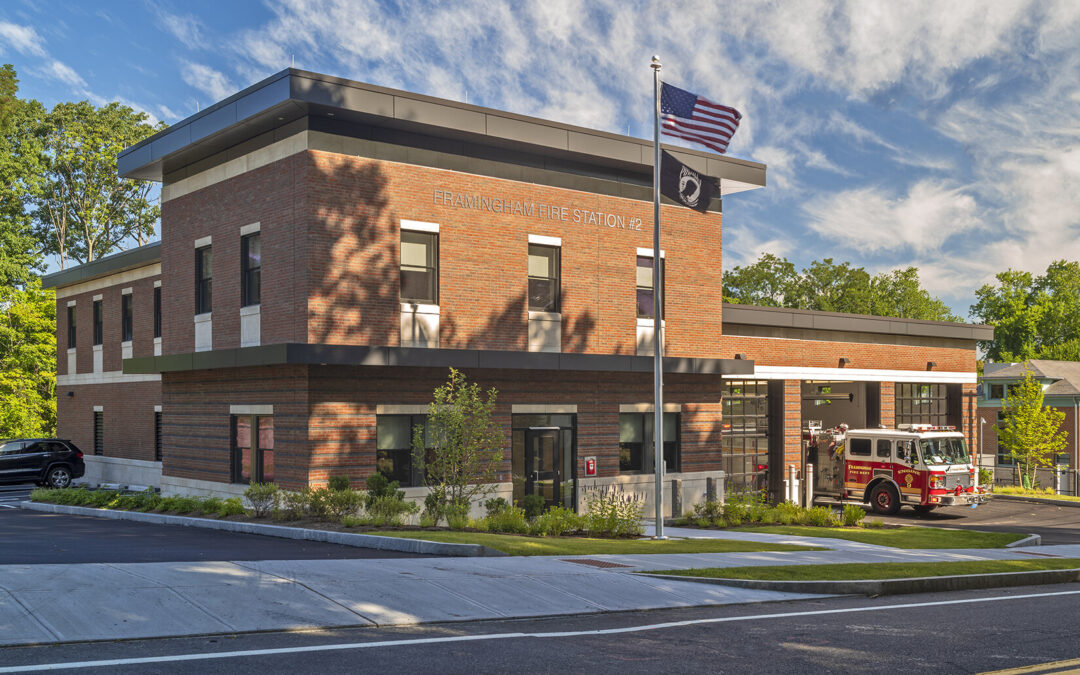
[118, 470]
[693, 489]
[172, 486]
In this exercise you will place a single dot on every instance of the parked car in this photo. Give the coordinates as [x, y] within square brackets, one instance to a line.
[45, 461]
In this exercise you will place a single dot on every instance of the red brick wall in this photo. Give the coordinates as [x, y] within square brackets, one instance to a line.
[792, 423]
[888, 404]
[823, 354]
[128, 410]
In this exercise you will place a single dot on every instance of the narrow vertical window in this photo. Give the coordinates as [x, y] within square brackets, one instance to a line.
[420, 267]
[71, 327]
[99, 432]
[98, 326]
[157, 312]
[126, 318]
[157, 436]
[204, 274]
[645, 287]
[253, 448]
[544, 278]
[250, 269]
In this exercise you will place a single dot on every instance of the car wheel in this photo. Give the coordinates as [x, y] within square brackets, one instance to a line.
[59, 477]
[923, 509]
[884, 500]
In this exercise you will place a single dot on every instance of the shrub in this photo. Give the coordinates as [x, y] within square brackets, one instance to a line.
[318, 501]
[262, 497]
[293, 505]
[351, 521]
[185, 504]
[986, 476]
[337, 483]
[231, 507]
[821, 516]
[380, 487]
[210, 505]
[709, 510]
[390, 510]
[510, 519]
[341, 503]
[427, 520]
[433, 510]
[457, 516]
[101, 498]
[496, 505]
[874, 523]
[614, 514]
[735, 513]
[853, 515]
[534, 506]
[787, 513]
[556, 521]
[125, 502]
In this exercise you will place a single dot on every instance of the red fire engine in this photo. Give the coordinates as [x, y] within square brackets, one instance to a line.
[918, 465]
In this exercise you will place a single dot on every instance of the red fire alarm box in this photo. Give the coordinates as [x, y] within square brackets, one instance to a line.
[590, 466]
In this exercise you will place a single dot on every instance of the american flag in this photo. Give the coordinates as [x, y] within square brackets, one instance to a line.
[696, 118]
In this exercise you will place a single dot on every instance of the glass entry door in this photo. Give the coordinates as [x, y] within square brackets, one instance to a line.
[543, 462]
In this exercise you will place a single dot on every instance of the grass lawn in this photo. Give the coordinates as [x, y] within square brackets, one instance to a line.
[899, 537]
[852, 571]
[1041, 494]
[520, 545]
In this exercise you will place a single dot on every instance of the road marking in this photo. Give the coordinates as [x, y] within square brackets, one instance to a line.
[206, 656]
[1055, 667]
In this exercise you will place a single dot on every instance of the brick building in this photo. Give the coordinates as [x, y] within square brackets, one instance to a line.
[330, 248]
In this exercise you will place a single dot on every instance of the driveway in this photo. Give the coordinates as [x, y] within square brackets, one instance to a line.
[1055, 524]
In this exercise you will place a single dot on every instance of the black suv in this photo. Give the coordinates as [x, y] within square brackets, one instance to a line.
[45, 461]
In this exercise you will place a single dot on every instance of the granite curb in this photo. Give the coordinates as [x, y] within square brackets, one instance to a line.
[328, 536]
[1030, 540]
[874, 587]
[1037, 500]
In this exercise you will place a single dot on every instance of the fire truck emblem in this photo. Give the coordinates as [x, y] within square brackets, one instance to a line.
[908, 478]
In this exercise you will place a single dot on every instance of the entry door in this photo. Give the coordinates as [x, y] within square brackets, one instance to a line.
[543, 459]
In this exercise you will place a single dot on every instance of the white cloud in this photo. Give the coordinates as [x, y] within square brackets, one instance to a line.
[24, 39]
[744, 244]
[65, 74]
[187, 29]
[211, 82]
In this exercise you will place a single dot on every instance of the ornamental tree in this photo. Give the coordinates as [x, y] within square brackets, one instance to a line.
[1030, 432]
[461, 448]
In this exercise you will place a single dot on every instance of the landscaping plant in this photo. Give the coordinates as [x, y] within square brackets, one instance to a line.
[1030, 433]
[853, 515]
[613, 513]
[557, 521]
[262, 497]
[533, 505]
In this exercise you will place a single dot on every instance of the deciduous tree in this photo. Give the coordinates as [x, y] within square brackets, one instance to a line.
[1030, 432]
[20, 253]
[27, 361]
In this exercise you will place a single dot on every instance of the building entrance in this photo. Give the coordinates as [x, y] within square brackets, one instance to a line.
[543, 458]
[543, 455]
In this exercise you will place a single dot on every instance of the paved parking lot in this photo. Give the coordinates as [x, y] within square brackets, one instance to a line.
[11, 495]
[1055, 524]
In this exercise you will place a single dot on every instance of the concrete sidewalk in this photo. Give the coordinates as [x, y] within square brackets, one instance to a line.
[59, 603]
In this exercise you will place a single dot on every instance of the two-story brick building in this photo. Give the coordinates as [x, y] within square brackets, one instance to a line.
[330, 248]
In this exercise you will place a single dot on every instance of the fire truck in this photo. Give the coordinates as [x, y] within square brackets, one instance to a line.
[918, 465]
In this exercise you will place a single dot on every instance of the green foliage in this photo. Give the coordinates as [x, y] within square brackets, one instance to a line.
[231, 507]
[986, 476]
[1030, 432]
[876, 523]
[509, 519]
[390, 510]
[433, 510]
[709, 510]
[20, 253]
[612, 513]
[380, 487]
[496, 505]
[262, 497]
[460, 449]
[822, 516]
[338, 483]
[457, 516]
[341, 503]
[534, 506]
[352, 521]
[852, 515]
[27, 361]
[557, 521]
[292, 505]
[831, 287]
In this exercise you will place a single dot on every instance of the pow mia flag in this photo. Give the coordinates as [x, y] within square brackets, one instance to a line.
[684, 185]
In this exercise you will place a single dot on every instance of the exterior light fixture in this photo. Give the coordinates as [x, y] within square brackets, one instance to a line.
[741, 357]
[930, 365]
[844, 361]
[71, 393]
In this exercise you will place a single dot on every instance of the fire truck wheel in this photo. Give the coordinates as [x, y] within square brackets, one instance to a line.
[884, 500]
[923, 509]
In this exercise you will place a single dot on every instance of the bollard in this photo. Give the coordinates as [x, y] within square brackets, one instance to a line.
[676, 498]
[1057, 479]
[809, 485]
[710, 489]
[793, 495]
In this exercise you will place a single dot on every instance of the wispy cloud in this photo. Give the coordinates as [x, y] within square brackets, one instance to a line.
[23, 39]
[65, 74]
[211, 82]
[186, 28]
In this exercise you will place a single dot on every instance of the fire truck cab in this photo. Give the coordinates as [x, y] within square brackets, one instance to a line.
[918, 465]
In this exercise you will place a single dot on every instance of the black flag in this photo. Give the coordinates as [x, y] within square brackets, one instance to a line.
[686, 186]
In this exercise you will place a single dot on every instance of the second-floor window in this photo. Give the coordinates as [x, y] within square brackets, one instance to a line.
[250, 270]
[543, 278]
[126, 318]
[420, 267]
[645, 287]
[204, 274]
[98, 327]
[157, 312]
[71, 327]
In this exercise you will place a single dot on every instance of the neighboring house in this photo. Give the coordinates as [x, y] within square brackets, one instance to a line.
[1061, 390]
[329, 248]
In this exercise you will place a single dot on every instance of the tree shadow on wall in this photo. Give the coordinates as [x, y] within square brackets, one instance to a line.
[507, 328]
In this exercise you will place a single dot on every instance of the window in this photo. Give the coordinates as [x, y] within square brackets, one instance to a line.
[997, 391]
[99, 432]
[157, 436]
[393, 447]
[204, 274]
[543, 278]
[126, 327]
[921, 404]
[71, 327]
[859, 447]
[645, 287]
[745, 439]
[636, 443]
[884, 449]
[157, 312]
[253, 448]
[98, 327]
[420, 267]
[250, 270]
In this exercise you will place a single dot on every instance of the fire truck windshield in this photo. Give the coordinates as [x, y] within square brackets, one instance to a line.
[944, 451]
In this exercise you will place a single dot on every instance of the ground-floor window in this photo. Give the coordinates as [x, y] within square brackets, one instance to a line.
[636, 438]
[543, 456]
[99, 432]
[1003, 456]
[919, 403]
[393, 447]
[253, 448]
[745, 437]
[157, 437]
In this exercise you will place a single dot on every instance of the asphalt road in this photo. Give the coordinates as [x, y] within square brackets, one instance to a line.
[1055, 524]
[965, 632]
[32, 537]
[11, 495]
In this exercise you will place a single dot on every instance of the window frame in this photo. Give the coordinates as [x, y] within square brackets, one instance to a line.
[127, 317]
[415, 479]
[258, 458]
[99, 323]
[204, 283]
[640, 289]
[921, 403]
[433, 268]
[72, 333]
[250, 277]
[555, 281]
[672, 460]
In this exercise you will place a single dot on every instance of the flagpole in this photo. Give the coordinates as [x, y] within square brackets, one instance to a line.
[658, 323]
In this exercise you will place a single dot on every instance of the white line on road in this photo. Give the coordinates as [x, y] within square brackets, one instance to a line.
[502, 636]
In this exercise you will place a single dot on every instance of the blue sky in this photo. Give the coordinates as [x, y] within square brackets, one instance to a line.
[944, 135]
